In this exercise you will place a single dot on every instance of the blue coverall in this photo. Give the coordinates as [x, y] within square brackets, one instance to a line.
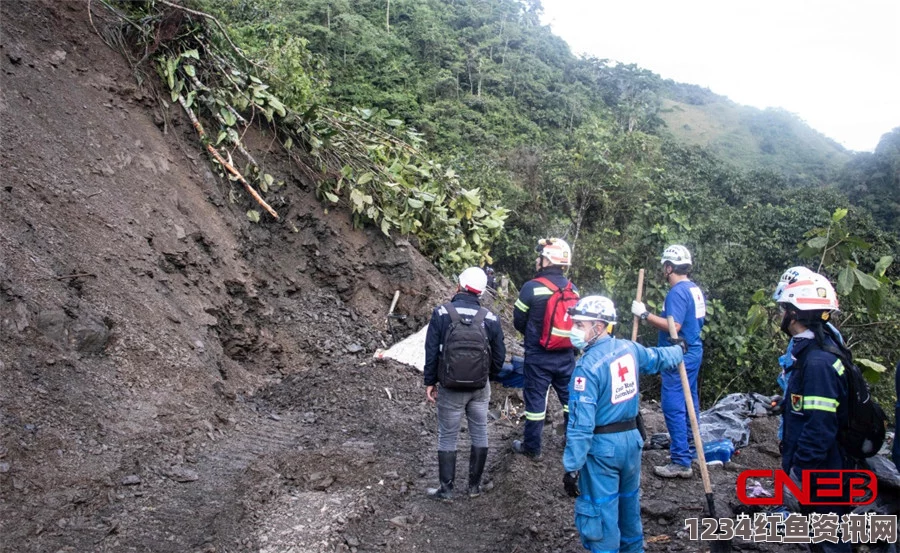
[687, 306]
[543, 368]
[814, 405]
[604, 390]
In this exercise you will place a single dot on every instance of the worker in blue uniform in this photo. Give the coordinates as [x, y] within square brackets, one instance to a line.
[543, 367]
[815, 405]
[686, 304]
[602, 458]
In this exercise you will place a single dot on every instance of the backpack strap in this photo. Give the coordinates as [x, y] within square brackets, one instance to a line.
[480, 316]
[452, 312]
[549, 284]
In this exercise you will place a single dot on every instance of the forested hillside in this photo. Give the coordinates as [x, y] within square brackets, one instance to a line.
[529, 136]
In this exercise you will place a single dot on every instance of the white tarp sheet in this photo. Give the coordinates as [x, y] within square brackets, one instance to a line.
[410, 350]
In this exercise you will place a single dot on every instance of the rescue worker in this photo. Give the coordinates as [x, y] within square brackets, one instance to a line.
[791, 276]
[687, 306]
[543, 368]
[815, 404]
[895, 447]
[602, 458]
[452, 403]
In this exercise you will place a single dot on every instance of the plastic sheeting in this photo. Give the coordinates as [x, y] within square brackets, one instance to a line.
[729, 419]
[410, 350]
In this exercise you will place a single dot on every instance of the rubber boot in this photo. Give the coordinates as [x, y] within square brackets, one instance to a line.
[477, 458]
[446, 474]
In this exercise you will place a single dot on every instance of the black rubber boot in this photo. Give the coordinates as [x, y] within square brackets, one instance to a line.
[477, 458]
[446, 474]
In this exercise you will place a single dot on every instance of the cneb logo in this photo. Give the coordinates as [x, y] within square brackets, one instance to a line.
[820, 487]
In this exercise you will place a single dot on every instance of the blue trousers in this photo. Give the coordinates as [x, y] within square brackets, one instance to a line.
[608, 511]
[538, 380]
[674, 408]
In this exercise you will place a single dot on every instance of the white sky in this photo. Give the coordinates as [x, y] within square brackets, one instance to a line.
[836, 64]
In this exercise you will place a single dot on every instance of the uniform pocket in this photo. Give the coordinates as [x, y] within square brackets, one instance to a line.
[585, 414]
[589, 520]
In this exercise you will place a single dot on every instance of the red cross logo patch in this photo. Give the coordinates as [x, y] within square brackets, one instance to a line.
[579, 383]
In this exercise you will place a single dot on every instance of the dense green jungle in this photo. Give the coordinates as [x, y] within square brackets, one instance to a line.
[469, 129]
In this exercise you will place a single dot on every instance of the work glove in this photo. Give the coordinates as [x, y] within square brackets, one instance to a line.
[639, 309]
[570, 483]
[679, 342]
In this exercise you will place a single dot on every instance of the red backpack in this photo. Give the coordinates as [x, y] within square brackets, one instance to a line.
[557, 321]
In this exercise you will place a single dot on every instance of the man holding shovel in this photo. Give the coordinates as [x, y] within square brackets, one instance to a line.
[686, 304]
[603, 450]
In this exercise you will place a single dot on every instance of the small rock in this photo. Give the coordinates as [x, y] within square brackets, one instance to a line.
[57, 57]
[351, 540]
[4, 467]
[179, 232]
[399, 521]
[324, 484]
[131, 480]
[183, 474]
[354, 348]
[392, 474]
[274, 417]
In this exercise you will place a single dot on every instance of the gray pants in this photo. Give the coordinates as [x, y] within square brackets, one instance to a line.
[450, 407]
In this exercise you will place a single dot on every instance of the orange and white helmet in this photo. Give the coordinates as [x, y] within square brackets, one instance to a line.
[676, 255]
[810, 293]
[473, 280]
[556, 250]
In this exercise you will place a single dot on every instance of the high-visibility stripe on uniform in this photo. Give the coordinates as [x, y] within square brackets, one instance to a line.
[535, 416]
[542, 291]
[818, 403]
[521, 306]
[839, 367]
[560, 332]
[565, 408]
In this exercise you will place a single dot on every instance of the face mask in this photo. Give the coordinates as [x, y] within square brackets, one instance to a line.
[786, 321]
[577, 337]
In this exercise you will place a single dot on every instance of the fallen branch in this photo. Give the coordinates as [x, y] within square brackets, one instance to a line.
[215, 153]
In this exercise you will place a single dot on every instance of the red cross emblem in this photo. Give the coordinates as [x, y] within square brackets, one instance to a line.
[579, 383]
[623, 370]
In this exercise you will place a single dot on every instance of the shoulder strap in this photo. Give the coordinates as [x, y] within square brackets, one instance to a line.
[479, 317]
[548, 283]
[454, 314]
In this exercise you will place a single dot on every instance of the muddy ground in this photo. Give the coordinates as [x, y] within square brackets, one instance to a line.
[174, 378]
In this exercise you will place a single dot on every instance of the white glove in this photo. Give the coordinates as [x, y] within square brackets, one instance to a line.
[638, 309]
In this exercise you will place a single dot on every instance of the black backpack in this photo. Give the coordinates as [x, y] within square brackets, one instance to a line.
[465, 360]
[863, 434]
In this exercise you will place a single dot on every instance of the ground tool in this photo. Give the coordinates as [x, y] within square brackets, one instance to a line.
[716, 546]
[637, 297]
[391, 317]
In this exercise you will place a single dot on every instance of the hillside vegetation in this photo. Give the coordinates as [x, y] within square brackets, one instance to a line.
[470, 128]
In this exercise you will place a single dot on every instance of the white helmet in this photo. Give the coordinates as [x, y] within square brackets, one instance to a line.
[556, 250]
[473, 280]
[790, 276]
[594, 308]
[810, 293]
[676, 255]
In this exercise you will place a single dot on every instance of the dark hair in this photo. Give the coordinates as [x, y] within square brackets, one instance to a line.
[683, 269]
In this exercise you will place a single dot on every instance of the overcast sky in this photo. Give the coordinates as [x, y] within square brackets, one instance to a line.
[836, 64]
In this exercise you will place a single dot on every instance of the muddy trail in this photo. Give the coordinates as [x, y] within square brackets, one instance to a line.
[174, 378]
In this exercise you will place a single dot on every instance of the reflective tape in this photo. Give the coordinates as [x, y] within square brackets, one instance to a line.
[820, 404]
[521, 306]
[535, 416]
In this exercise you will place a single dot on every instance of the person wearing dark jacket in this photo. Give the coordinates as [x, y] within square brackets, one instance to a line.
[543, 367]
[815, 404]
[452, 402]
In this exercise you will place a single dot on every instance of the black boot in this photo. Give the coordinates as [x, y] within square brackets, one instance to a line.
[477, 458]
[446, 474]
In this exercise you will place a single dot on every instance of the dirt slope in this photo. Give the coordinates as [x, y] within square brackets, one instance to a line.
[174, 378]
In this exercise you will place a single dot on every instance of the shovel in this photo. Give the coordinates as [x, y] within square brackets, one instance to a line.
[716, 546]
[391, 317]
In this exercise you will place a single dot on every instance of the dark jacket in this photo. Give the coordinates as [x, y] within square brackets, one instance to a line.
[528, 315]
[814, 406]
[466, 303]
